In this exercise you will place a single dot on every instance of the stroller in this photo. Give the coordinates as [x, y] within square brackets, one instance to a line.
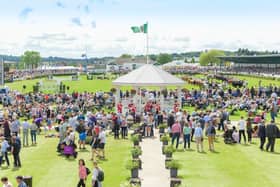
[67, 150]
[228, 139]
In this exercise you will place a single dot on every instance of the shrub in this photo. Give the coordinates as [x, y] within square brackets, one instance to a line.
[165, 138]
[174, 164]
[135, 138]
[162, 126]
[136, 151]
[130, 165]
[169, 149]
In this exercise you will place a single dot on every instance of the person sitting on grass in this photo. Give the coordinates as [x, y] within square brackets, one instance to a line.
[5, 182]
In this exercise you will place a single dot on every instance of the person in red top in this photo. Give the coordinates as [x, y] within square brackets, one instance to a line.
[176, 132]
[82, 173]
[119, 107]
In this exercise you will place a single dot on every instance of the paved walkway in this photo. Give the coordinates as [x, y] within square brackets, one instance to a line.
[153, 173]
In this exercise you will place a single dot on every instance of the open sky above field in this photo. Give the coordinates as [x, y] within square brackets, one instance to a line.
[102, 27]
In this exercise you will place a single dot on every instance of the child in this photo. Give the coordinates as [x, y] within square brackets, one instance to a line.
[82, 173]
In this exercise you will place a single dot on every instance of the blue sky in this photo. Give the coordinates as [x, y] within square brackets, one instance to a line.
[102, 27]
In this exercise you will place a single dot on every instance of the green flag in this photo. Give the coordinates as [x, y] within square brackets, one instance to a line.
[141, 29]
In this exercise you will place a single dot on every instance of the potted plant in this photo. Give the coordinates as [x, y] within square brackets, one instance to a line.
[136, 152]
[135, 140]
[161, 128]
[139, 162]
[165, 139]
[174, 165]
[133, 167]
[168, 151]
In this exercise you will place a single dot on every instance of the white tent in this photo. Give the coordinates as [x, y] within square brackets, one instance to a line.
[147, 75]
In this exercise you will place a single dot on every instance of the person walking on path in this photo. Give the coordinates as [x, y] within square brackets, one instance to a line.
[271, 134]
[242, 124]
[176, 132]
[261, 134]
[25, 131]
[198, 134]
[82, 173]
[187, 135]
[210, 133]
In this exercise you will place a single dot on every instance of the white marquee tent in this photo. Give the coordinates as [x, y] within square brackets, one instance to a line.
[148, 75]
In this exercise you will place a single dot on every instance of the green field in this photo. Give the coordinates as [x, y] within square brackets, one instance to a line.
[232, 165]
[48, 169]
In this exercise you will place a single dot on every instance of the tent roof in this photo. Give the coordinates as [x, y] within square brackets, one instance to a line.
[148, 75]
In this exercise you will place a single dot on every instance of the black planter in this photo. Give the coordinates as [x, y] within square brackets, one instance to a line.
[173, 172]
[166, 161]
[136, 143]
[139, 162]
[134, 173]
[140, 137]
[161, 130]
[162, 149]
[135, 156]
[165, 142]
[168, 155]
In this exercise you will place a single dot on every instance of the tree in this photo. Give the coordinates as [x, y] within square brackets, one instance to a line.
[164, 58]
[30, 59]
[125, 56]
[210, 57]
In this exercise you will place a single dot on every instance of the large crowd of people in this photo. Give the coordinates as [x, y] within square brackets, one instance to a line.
[24, 116]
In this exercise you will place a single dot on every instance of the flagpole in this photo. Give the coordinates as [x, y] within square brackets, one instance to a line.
[147, 45]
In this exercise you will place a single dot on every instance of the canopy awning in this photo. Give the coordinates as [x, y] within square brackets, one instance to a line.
[148, 75]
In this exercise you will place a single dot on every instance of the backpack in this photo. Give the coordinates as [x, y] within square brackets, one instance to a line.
[88, 171]
[100, 176]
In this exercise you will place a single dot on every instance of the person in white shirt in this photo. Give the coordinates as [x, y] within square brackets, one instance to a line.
[95, 172]
[102, 142]
[6, 182]
[242, 125]
[25, 130]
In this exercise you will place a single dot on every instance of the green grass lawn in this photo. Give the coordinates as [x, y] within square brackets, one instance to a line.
[232, 165]
[48, 169]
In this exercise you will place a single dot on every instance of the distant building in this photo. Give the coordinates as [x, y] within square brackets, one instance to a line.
[128, 64]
